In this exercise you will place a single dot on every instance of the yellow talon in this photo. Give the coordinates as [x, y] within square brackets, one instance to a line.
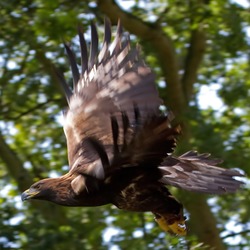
[177, 227]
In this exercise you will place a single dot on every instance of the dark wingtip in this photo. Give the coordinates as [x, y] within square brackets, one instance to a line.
[107, 33]
[73, 64]
[94, 45]
[119, 27]
[84, 50]
[63, 85]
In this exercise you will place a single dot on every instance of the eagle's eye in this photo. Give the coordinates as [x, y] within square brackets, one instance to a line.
[37, 186]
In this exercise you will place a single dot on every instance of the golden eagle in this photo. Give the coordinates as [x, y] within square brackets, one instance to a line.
[119, 142]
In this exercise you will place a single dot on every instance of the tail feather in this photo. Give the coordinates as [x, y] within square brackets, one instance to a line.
[197, 172]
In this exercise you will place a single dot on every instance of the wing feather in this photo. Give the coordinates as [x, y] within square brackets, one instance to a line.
[73, 64]
[104, 53]
[84, 51]
[94, 46]
[110, 85]
[64, 86]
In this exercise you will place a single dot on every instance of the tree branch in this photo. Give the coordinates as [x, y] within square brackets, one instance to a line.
[193, 60]
[23, 179]
[202, 220]
[245, 232]
[21, 114]
[14, 166]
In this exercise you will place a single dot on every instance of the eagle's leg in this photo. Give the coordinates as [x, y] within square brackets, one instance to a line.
[145, 195]
[169, 215]
[171, 223]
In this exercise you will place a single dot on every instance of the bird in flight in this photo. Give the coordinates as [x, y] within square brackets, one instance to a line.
[120, 144]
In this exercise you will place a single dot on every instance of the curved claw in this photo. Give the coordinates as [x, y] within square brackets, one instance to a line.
[178, 226]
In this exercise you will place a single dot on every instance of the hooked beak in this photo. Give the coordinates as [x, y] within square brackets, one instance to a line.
[28, 194]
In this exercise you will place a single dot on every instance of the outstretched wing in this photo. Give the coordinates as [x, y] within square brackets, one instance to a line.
[113, 83]
[113, 120]
[198, 172]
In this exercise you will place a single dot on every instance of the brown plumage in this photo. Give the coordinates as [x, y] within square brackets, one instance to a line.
[120, 144]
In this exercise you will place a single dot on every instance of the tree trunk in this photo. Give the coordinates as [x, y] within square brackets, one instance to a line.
[23, 179]
[202, 222]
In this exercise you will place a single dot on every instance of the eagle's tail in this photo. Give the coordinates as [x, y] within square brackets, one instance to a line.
[198, 172]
